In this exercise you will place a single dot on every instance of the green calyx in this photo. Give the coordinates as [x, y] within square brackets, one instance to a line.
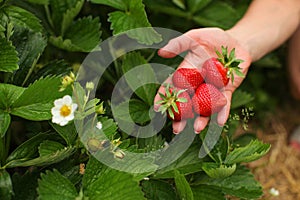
[168, 101]
[230, 62]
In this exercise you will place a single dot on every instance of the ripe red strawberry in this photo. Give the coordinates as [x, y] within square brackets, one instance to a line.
[219, 70]
[187, 78]
[176, 103]
[208, 100]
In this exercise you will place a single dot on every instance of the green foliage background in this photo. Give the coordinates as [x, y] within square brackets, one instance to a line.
[43, 40]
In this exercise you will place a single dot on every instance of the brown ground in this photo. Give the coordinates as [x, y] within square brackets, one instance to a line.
[280, 169]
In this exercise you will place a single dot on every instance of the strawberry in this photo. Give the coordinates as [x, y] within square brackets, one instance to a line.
[177, 104]
[208, 100]
[187, 78]
[219, 70]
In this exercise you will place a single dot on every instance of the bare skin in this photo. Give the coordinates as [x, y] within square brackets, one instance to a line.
[265, 26]
[294, 64]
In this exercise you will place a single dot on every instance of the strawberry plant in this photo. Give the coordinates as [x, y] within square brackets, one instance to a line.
[64, 135]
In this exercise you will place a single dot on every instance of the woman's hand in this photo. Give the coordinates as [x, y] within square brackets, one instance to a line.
[202, 44]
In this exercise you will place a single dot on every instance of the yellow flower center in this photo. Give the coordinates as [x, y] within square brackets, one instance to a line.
[65, 110]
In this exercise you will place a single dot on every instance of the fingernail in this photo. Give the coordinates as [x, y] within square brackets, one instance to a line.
[196, 132]
[175, 133]
[155, 108]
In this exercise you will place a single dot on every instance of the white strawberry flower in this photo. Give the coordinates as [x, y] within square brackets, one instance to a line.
[99, 125]
[274, 192]
[63, 110]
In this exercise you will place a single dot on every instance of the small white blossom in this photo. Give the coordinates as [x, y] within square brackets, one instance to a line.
[99, 125]
[63, 110]
[274, 192]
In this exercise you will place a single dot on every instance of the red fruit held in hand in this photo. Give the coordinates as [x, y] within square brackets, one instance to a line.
[208, 100]
[187, 78]
[176, 103]
[219, 70]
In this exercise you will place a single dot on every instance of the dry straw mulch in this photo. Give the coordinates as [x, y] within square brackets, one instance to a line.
[280, 169]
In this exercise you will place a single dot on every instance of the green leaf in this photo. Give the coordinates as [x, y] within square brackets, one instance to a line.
[59, 9]
[197, 5]
[105, 183]
[240, 98]
[25, 185]
[28, 149]
[53, 68]
[158, 190]
[82, 36]
[9, 94]
[215, 170]
[188, 163]
[240, 184]
[220, 149]
[47, 86]
[183, 187]
[34, 112]
[139, 111]
[253, 151]
[49, 147]
[42, 2]
[118, 4]
[227, 16]
[92, 172]
[29, 50]
[8, 56]
[54, 186]
[43, 160]
[23, 18]
[134, 17]
[69, 16]
[244, 139]
[68, 132]
[166, 7]
[204, 192]
[139, 75]
[179, 3]
[6, 189]
[37, 107]
[109, 127]
[4, 122]
[151, 143]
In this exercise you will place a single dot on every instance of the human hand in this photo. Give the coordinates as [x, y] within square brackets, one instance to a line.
[201, 45]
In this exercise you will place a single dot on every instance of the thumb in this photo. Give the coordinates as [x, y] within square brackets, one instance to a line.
[177, 46]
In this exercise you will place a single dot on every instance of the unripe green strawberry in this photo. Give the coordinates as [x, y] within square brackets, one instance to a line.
[187, 78]
[176, 103]
[219, 70]
[208, 100]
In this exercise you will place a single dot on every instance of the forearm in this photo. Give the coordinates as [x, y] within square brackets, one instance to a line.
[266, 25]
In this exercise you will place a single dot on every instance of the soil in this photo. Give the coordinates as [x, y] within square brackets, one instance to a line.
[280, 168]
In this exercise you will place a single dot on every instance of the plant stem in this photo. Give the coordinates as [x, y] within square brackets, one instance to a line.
[48, 16]
[4, 147]
[31, 69]
[2, 150]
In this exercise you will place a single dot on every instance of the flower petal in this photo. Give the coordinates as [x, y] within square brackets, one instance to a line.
[67, 99]
[63, 122]
[74, 107]
[70, 117]
[58, 102]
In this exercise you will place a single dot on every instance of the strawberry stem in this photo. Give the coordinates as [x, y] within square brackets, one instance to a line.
[168, 101]
[230, 62]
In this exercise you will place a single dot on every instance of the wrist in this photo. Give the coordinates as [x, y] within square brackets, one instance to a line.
[243, 40]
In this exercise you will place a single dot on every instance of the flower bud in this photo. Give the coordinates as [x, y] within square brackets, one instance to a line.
[89, 86]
